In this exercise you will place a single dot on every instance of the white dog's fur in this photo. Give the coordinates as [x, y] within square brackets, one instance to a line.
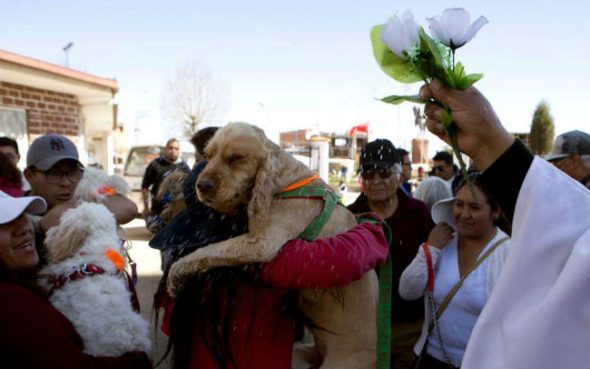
[93, 179]
[98, 306]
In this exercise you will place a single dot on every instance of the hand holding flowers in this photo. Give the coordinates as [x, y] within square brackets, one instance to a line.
[408, 54]
[480, 134]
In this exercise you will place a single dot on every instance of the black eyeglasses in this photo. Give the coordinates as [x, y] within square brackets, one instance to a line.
[438, 168]
[407, 164]
[370, 174]
[55, 175]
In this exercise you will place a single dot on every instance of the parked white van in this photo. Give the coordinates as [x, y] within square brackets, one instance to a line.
[140, 156]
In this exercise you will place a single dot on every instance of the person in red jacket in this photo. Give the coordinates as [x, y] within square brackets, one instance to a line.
[245, 317]
[33, 334]
[257, 307]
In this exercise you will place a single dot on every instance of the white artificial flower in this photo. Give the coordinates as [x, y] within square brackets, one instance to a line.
[454, 27]
[400, 35]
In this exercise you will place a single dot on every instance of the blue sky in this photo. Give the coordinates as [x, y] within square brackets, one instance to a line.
[306, 64]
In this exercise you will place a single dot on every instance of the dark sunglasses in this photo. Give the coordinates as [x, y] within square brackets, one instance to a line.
[438, 168]
[370, 174]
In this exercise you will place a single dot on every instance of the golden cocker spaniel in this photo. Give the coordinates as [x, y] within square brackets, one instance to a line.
[245, 168]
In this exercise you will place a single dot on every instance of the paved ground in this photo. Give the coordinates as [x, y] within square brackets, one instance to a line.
[148, 270]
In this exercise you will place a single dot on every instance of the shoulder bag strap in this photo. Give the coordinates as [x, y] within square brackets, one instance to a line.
[458, 285]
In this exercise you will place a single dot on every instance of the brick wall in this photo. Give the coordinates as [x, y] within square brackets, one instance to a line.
[47, 111]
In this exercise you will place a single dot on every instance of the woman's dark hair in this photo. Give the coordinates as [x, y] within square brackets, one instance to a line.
[207, 302]
[9, 171]
[26, 280]
[475, 177]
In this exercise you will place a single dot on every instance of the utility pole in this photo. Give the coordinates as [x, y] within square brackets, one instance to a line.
[66, 50]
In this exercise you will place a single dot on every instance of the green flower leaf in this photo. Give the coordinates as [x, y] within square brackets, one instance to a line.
[400, 69]
[469, 80]
[454, 75]
[431, 60]
[398, 99]
[429, 46]
[460, 80]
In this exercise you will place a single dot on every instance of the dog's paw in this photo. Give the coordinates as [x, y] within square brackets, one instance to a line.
[176, 277]
[179, 274]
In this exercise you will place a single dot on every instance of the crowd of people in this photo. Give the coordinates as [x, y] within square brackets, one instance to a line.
[33, 333]
[488, 271]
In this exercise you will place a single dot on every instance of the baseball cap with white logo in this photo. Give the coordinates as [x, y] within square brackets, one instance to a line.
[379, 154]
[12, 207]
[572, 142]
[49, 149]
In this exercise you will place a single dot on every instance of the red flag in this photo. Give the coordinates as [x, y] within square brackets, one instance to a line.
[361, 128]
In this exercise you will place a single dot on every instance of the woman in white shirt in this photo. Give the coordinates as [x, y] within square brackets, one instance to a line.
[476, 237]
[537, 316]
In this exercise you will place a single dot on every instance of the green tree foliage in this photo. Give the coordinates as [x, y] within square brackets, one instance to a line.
[542, 130]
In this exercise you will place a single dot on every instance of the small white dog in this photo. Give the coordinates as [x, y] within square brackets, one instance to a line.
[87, 282]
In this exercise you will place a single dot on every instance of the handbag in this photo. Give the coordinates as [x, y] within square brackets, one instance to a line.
[447, 299]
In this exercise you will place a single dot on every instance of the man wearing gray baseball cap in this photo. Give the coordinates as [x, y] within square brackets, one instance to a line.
[54, 171]
[571, 154]
[53, 168]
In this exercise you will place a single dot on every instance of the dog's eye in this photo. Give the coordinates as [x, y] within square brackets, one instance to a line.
[235, 158]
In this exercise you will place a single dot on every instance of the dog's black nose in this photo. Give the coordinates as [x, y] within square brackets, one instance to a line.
[205, 185]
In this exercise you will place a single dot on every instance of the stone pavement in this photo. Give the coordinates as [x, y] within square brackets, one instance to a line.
[148, 270]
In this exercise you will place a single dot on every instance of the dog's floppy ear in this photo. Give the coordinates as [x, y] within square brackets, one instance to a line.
[264, 186]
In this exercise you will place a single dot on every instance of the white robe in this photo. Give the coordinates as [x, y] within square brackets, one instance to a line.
[538, 315]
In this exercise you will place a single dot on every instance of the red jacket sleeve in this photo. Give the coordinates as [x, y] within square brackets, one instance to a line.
[33, 334]
[333, 262]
